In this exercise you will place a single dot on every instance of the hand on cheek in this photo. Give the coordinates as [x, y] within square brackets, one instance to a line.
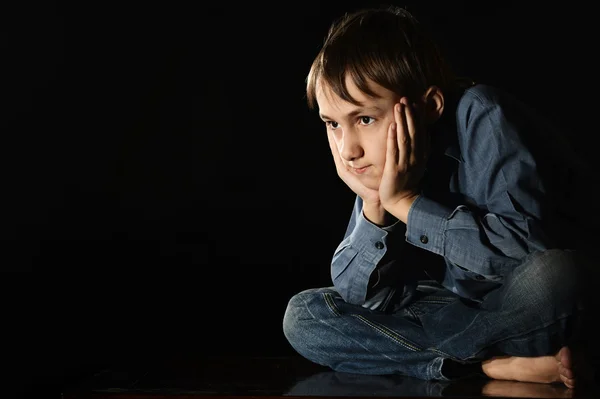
[406, 153]
[368, 195]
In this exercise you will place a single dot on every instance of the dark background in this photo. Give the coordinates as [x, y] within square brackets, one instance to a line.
[166, 189]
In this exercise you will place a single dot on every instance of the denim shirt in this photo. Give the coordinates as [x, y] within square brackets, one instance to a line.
[495, 179]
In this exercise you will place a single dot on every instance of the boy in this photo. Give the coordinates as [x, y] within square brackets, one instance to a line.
[456, 260]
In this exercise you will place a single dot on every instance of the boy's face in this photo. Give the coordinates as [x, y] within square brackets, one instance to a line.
[360, 132]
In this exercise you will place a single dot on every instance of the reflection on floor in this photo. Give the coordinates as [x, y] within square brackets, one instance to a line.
[289, 377]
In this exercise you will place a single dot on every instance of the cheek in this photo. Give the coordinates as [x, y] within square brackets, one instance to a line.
[378, 154]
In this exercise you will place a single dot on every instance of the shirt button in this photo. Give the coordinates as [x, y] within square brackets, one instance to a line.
[479, 277]
[379, 245]
[424, 239]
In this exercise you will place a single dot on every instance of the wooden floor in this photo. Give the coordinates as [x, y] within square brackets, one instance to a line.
[268, 377]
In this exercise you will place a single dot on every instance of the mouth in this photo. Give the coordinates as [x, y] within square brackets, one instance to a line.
[360, 171]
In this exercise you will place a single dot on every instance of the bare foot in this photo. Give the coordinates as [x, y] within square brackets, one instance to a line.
[543, 369]
[564, 357]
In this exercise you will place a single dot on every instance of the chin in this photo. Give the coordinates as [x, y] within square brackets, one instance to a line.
[372, 183]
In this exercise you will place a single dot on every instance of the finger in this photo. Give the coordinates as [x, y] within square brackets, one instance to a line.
[411, 128]
[402, 138]
[334, 150]
[391, 156]
[424, 138]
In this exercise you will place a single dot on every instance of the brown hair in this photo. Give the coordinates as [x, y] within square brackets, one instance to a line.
[386, 45]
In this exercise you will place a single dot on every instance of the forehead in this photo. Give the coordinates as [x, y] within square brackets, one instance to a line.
[329, 102]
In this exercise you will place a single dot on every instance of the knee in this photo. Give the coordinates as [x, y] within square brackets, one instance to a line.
[551, 276]
[556, 268]
[308, 323]
[299, 317]
[291, 317]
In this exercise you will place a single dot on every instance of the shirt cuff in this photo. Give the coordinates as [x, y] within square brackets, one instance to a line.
[427, 222]
[369, 242]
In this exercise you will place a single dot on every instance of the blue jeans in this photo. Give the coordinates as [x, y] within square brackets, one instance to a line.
[531, 314]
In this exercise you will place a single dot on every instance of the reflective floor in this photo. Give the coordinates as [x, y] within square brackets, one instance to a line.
[289, 377]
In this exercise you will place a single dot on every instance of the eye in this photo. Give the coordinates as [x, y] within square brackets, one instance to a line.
[331, 124]
[366, 120]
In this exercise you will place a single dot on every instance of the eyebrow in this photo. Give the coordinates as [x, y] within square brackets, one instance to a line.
[357, 111]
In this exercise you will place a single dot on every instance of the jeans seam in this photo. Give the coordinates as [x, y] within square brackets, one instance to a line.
[331, 304]
[434, 302]
[438, 298]
[445, 355]
[389, 333]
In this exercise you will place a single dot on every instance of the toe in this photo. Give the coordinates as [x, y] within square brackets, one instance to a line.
[569, 382]
[566, 372]
[565, 357]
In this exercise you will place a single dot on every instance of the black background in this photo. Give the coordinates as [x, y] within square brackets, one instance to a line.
[166, 189]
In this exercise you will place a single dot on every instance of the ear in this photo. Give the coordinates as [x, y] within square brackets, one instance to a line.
[433, 101]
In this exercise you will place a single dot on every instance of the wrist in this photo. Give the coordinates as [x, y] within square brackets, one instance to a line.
[401, 208]
[376, 214]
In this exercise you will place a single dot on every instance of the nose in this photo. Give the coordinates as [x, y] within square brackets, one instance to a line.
[350, 146]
